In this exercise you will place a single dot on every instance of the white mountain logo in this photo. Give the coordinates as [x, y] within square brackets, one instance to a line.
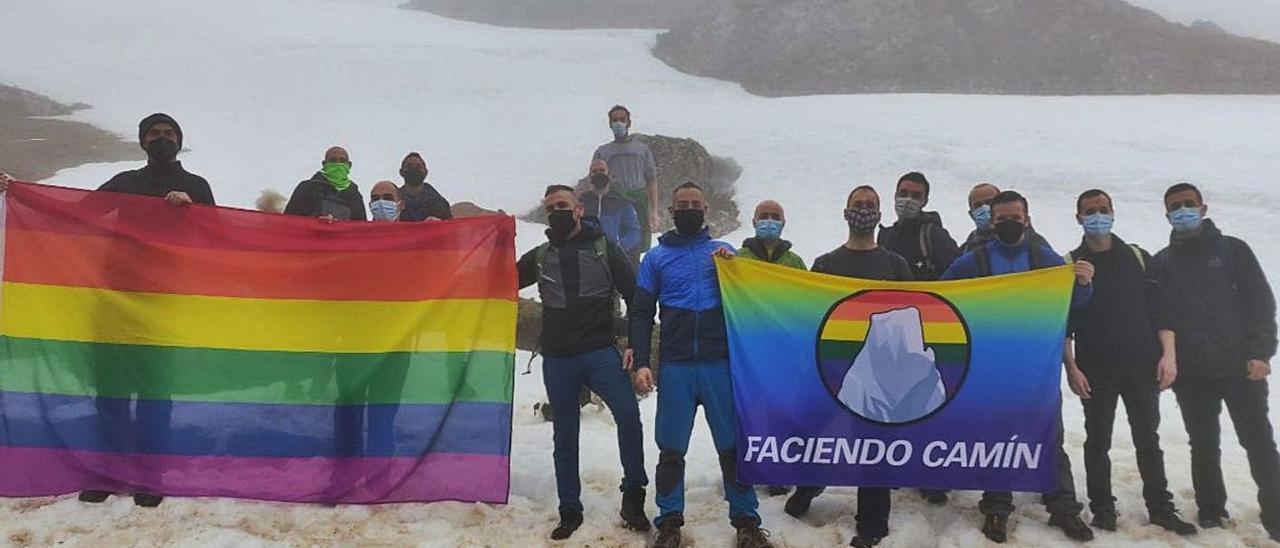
[894, 378]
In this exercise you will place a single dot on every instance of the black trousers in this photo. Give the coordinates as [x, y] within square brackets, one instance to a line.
[1060, 501]
[1201, 402]
[873, 509]
[1141, 394]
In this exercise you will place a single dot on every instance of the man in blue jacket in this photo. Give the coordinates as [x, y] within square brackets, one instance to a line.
[1009, 252]
[680, 275]
[617, 214]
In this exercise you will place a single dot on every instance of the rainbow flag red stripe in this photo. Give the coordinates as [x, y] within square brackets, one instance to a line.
[206, 351]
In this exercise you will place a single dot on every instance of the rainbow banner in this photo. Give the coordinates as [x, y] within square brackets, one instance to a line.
[201, 351]
[840, 381]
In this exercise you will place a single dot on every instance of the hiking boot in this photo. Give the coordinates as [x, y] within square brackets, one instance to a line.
[798, 505]
[93, 496]
[668, 535]
[752, 536]
[147, 500]
[1071, 525]
[1105, 520]
[632, 513]
[936, 497]
[864, 542]
[1170, 521]
[996, 528]
[1211, 520]
[569, 522]
[777, 490]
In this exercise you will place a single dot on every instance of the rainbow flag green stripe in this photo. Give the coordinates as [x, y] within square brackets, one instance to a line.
[215, 375]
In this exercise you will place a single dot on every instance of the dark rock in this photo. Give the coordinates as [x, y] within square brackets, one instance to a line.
[34, 146]
[781, 47]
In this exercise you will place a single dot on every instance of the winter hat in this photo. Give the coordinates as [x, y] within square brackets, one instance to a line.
[159, 117]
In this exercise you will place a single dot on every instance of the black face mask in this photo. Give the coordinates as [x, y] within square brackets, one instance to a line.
[561, 222]
[414, 176]
[599, 181]
[689, 222]
[162, 150]
[1010, 231]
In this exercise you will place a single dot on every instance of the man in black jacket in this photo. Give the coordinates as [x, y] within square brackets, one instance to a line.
[329, 194]
[1124, 348]
[918, 236]
[1225, 315]
[162, 177]
[578, 272]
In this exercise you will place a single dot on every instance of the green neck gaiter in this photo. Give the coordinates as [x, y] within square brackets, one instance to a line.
[338, 174]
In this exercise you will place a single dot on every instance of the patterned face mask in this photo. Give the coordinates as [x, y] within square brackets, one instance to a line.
[862, 220]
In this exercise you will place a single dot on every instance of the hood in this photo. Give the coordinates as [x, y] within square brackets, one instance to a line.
[756, 245]
[1208, 233]
[674, 239]
[925, 217]
[590, 230]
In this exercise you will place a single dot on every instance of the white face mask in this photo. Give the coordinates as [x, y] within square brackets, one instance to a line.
[384, 210]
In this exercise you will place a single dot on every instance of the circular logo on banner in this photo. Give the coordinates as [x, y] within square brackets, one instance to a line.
[893, 357]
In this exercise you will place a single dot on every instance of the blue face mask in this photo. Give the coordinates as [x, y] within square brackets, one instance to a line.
[619, 129]
[1185, 219]
[981, 216]
[1098, 224]
[768, 229]
[384, 210]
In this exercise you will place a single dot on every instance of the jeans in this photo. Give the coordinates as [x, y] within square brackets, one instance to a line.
[681, 388]
[1201, 402]
[1141, 394]
[601, 371]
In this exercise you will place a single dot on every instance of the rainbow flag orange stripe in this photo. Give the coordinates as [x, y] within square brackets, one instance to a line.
[209, 351]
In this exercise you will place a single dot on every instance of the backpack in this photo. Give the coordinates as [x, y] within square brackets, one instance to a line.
[926, 247]
[600, 244]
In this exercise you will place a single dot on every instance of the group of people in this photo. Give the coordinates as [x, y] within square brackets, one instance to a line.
[1198, 317]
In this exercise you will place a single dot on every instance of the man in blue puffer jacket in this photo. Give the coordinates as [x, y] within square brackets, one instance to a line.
[616, 213]
[680, 275]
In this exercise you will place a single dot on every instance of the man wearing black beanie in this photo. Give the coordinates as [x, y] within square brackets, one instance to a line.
[162, 177]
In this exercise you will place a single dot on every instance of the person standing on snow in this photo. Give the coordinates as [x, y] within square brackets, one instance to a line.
[919, 237]
[422, 202]
[1123, 349]
[633, 170]
[1225, 315]
[980, 212]
[1012, 251]
[617, 214]
[329, 194]
[680, 276]
[767, 245]
[578, 272]
[859, 257]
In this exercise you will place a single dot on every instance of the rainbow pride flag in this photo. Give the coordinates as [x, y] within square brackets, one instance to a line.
[840, 381]
[203, 351]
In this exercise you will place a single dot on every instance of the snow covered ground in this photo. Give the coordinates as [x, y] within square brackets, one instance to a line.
[262, 88]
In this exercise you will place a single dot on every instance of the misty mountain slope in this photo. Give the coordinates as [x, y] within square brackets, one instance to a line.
[1252, 18]
[972, 46]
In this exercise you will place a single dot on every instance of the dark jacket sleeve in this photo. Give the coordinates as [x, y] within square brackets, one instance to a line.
[624, 277]
[629, 234]
[902, 270]
[201, 193]
[527, 268]
[1258, 301]
[303, 201]
[356, 202]
[1157, 299]
[945, 250]
[644, 306]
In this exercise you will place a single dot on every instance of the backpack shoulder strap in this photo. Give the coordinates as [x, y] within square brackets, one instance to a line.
[602, 253]
[541, 254]
[983, 258]
[1137, 254]
[1034, 260]
[926, 246]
